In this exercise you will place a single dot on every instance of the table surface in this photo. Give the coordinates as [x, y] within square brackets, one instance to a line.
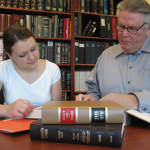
[135, 138]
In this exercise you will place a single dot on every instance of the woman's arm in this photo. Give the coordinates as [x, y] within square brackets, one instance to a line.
[56, 91]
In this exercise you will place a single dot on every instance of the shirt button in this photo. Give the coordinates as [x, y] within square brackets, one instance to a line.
[144, 109]
[128, 82]
[130, 67]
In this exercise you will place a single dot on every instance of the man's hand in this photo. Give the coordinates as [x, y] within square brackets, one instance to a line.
[20, 108]
[82, 97]
[128, 101]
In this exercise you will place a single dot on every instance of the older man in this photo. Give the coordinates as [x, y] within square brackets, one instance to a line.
[122, 72]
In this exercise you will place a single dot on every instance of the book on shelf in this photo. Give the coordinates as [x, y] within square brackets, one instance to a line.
[65, 53]
[79, 24]
[111, 7]
[65, 6]
[79, 112]
[21, 4]
[2, 3]
[91, 28]
[48, 5]
[114, 30]
[101, 6]
[39, 26]
[39, 44]
[78, 5]
[93, 52]
[28, 21]
[61, 26]
[15, 3]
[94, 6]
[108, 135]
[54, 5]
[76, 25]
[43, 51]
[82, 5]
[60, 6]
[68, 79]
[69, 53]
[57, 52]
[68, 6]
[63, 78]
[55, 26]
[76, 51]
[87, 27]
[81, 52]
[52, 29]
[33, 4]
[103, 32]
[108, 26]
[8, 3]
[105, 7]
[22, 20]
[16, 19]
[1, 49]
[50, 51]
[87, 52]
[88, 5]
[40, 5]
[46, 26]
[2, 23]
[27, 4]
[97, 50]
[66, 29]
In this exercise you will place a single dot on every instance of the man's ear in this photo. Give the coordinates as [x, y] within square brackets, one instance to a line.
[8, 55]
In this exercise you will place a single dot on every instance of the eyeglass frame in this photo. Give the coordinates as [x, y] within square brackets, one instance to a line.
[129, 28]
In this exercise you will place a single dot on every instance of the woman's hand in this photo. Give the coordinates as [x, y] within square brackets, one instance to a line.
[20, 108]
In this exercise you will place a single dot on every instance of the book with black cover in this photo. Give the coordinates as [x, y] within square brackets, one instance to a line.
[88, 25]
[88, 5]
[94, 6]
[108, 135]
[87, 52]
[101, 6]
[109, 27]
[103, 26]
[79, 24]
[76, 51]
[81, 52]
[93, 52]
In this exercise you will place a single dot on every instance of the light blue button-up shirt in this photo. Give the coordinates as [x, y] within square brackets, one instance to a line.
[122, 73]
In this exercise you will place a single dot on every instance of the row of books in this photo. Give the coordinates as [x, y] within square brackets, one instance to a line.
[80, 77]
[98, 123]
[48, 5]
[65, 78]
[95, 6]
[87, 52]
[66, 96]
[101, 26]
[57, 52]
[42, 26]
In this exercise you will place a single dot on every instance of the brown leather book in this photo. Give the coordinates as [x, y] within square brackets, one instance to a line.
[82, 112]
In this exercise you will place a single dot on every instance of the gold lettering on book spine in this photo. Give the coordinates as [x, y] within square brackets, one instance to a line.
[106, 114]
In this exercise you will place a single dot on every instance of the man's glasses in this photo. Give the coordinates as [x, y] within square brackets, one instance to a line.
[121, 28]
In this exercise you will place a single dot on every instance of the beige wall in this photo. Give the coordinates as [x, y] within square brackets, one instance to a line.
[148, 1]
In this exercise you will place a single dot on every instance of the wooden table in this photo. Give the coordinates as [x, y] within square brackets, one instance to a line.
[135, 138]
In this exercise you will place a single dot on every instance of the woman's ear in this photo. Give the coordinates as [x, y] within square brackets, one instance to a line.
[8, 55]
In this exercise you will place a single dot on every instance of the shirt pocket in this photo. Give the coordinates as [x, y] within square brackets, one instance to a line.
[142, 81]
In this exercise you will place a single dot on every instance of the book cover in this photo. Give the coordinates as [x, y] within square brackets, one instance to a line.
[91, 28]
[109, 135]
[60, 6]
[79, 112]
[16, 19]
[43, 50]
[39, 26]
[103, 26]
[48, 5]
[87, 27]
[39, 44]
[79, 5]
[87, 53]
[68, 6]
[57, 52]
[88, 5]
[109, 27]
[105, 7]
[81, 52]
[2, 3]
[101, 6]
[21, 4]
[40, 4]
[68, 78]
[66, 53]
[53, 22]
[69, 53]
[27, 4]
[111, 7]
[79, 24]
[114, 30]
[82, 5]
[54, 5]
[63, 78]
[65, 5]
[50, 51]
[8, 3]
[33, 4]
[93, 52]
[55, 26]
[15, 3]
[2, 23]
[94, 6]
[28, 22]
[76, 51]
[61, 26]
[46, 26]
[62, 53]
[15, 125]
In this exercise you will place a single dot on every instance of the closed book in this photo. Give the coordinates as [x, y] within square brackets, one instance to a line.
[28, 22]
[33, 4]
[43, 51]
[61, 26]
[88, 5]
[68, 6]
[54, 5]
[39, 44]
[97, 50]
[111, 7]
[48, 5]
[87, 52]
[65, 5]
[8, 3]
[76, 25]
[79, 4]
[69, 53]
[94, 6]
[91, 28]
[82, 112]
[8, 21]
[40, 5]
[87, 27]
[21, 3]
[68, 78]
[76, 51]
[105, 7]
[33, 18]
[60, 6]
[2, 23]
[16, 19]
[55, 26]
[82, 5]
[101, 6]
[15, 3]
[109, 26]
[63, 78]
[50, 51]
[39, 26]
[66, 29]
[114, 30]
[81, 53]
[103, 27]
[66, 53]
[46, 26]
[109, 135]
[53, 22]
[27, 4]
[2, 3]
[62, 53]
[93, 52]
[79, 23]
[57, 52]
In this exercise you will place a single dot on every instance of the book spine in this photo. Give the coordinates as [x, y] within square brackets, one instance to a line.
[68, 79]
[91, 28]
[111, 7]
[114, 30]
[82, 5]
[95, 6]
[76, 134]
[15, 3]
[69, 53]
[101, 6]
[62, 53]
[60, 6]
[103, 26]
[76, 51]
[79, 23]
[50, 51]
[65, 5]
[39, 28]
[39, 44]
[46, 26]
[43, 50]
[33, 4]
[8, 20]
[105, 7]
[61, 25]
[57, 52]
[63, 78]
[27, 4]
[48, 5]
[81, 52]
[53, 22]
[66, 54]
[2, 23]
[87, 53]
[55, 26]
[40, 4]
[2, 3]
[87, 27]
[54, 5]
[93, 51]
[68, 6]
[21, 3]
[79, 5]
[76, 26]
[8, 3]
[16, 19]
[88, 6]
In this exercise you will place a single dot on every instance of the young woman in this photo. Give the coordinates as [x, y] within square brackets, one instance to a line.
[27, 81]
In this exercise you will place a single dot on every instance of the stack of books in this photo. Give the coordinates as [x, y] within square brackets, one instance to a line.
[98, 123]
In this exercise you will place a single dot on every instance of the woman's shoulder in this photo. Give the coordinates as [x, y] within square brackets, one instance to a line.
[6, 63]
[51, 64]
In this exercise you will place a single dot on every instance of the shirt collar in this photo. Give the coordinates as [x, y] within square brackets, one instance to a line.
[145, 48]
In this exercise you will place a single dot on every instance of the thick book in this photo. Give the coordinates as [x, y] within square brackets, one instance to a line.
[21, 4]
[109, 27]
[79, 24]
[68, 6]
[50, 51]
[46, 26]
[79, 112]
[15, 3]
[108, 135]
[39, 26]
[87, 27]
[94, 6]
[103, 32]
[8, 3]
[91, 28]
[88, 5]
[111, 7]
[27, 4]
[76, 51]
[33, 4]
[87, 52]
[40, 4]
[60, 6]
[114, 30]
[81, 52]
[63, 78]
[61, 26]
[2, 3]
[54, 5]
[82, 5]
[93, 52]
[105, 7]
[16, 19]
[101, 6]
[48, 5]
[2, 22]
[57, 52]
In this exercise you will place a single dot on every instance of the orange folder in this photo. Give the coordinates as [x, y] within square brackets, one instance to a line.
[15, 125]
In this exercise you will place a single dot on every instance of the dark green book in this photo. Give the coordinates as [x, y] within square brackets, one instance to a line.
[104, 134]
[48, 5]
[46, 26]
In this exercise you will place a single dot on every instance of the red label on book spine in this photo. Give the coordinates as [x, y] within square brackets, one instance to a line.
[68, 115]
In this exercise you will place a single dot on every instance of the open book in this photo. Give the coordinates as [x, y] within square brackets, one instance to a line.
[137, 114]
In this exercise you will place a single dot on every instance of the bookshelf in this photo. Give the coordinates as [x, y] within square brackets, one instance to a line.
[72, 14]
